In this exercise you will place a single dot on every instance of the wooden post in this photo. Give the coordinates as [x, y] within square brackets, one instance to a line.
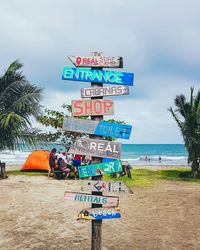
[3, 170]
[96, 243]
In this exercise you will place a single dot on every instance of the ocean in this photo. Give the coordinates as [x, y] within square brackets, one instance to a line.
[135, 154]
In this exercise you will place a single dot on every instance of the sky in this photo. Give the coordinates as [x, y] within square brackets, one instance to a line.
[159, 41]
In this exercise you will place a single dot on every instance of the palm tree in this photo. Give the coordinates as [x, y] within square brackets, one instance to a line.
[187, 116]
[19, 101]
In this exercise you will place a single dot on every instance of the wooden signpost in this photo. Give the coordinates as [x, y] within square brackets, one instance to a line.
[111, 186]
[105, 91]
[99, 214]
[92, 107]
[98, 148]
[100, 169]
[108, 201]
[97, 61]
[97, 76]
[102, 128]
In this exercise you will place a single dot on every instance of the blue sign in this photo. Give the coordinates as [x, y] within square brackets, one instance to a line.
[99, 214]
[122, 131]
[100, 76]
[102, 128]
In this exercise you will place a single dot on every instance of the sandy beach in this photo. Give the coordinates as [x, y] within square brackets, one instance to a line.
[34, 215]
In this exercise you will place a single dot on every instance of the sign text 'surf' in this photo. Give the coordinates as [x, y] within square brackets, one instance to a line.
[100, 169]
[98, 148]
[102, 128]
[107, 186]
[112, 201]
[98, 76]
[92, 107]
[97, 61]
[99, 214]
[105, 91]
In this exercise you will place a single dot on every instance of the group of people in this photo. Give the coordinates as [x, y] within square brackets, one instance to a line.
[66, 163]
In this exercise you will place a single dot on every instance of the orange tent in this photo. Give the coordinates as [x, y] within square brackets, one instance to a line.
[38, 160]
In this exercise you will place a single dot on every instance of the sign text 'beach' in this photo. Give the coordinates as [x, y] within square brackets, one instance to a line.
[99, 214]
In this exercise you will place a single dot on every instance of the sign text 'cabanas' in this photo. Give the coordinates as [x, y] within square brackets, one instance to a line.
[104, 91]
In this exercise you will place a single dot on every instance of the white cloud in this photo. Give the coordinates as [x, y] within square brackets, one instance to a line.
[159, 42]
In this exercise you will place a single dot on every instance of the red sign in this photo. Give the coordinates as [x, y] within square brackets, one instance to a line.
[92, 107]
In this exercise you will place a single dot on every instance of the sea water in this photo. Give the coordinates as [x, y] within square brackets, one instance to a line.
[135, 154]
[149, 154]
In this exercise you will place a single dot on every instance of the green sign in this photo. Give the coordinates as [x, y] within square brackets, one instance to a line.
[99, 169]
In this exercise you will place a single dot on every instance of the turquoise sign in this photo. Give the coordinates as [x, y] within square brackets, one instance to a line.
[99, 169]
[100, 76]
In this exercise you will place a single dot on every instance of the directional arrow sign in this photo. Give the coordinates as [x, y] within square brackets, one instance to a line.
[99, 76]
[97, 61]
[99, 214]
[104, 91]
[109, 201]
[99, 148]
[100, 168]
[92, 107]
[97, 127]
[100, 186]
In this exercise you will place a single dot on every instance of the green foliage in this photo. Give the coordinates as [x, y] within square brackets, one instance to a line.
[55, 119]
[187, 116]
[147, 178]
[19, 101]
[19, 172]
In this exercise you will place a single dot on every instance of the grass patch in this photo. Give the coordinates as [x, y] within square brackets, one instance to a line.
[19, 172]
[147, 178]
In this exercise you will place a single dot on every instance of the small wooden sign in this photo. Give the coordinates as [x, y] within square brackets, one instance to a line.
[99, 76]
[92, 107]
[99, 214]
[97, 61]
[109, 201]
[100, 186]
[99, 148]
[102, 128]
[104, 91]
[100, 169]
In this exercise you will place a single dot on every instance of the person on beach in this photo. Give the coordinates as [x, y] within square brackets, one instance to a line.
[76, 163]
[62, 166]
[52, 159]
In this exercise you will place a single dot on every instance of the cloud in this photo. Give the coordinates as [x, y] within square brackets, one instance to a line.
[158, 41]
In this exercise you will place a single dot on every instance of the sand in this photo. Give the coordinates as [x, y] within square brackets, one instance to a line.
[34, 215]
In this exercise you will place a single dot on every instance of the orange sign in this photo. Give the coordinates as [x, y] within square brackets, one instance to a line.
[92, 107]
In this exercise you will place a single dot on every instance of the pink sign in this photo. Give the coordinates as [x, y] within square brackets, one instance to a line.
[92, 107]
[97, 61]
